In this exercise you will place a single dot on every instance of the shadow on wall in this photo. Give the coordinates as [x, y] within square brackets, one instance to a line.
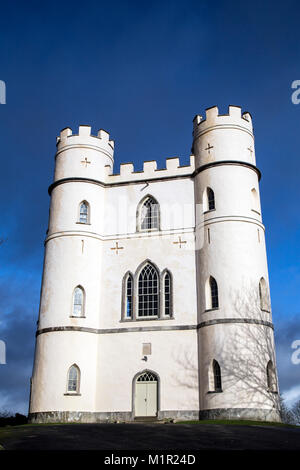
[245, 352]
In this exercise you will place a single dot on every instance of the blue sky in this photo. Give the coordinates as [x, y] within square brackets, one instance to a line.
[141, 70]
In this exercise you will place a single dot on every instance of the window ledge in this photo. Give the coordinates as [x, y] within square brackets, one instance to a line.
[273, 391]
[75, 316]
[83, 223]
[209, 210]
[148, 230]
[128, 320]
[215, 391]
[265, 310]
[211, 309]
[70, 394]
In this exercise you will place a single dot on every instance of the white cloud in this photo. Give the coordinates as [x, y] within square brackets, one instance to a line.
[292, 395]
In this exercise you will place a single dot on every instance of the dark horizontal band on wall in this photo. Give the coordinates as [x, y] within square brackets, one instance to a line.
[115, 330]
[252, 321]
[228, 162]
[154, 328]
[125, 183]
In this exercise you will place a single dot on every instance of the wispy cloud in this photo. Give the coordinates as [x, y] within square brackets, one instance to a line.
[287, 331]
[18, 307]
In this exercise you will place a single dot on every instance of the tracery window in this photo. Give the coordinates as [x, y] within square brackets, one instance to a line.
[148, 292]
[148, 214]
[147, 377]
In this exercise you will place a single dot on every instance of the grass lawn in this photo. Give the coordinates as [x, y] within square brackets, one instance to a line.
[223, 434]
[8, 430]
[239, 422]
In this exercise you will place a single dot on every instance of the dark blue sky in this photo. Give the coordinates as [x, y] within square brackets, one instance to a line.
[141, 70]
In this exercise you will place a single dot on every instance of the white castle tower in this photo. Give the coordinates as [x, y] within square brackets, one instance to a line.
[155, 294]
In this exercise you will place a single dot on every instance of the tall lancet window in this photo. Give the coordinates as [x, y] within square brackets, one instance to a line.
[148, 289]
[73, 379]
[78, 302]
[148, 214]
[217, 376]
[214, 292]
[210, 199]
[84, 213]
[129, 296]
[167, 293]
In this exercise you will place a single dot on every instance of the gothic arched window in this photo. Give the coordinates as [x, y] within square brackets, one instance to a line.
[214, 292]
[148, 214]
[84, 212]
[217, 376]
[210, 199]
[167, 290]
[78, 302]
[148, 292]
[73, 379]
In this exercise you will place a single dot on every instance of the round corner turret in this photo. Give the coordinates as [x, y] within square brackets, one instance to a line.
[83, 154]
[221, 137]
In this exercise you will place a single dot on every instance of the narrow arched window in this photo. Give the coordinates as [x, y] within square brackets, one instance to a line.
[210, 199]
[214, 292]
[167, 293]
[73, 379]
[217, 377]
[148, 214]
[264, 295]
[78, 302]
[129, 296]
[271, 377]
[148, 288]
[84, 213]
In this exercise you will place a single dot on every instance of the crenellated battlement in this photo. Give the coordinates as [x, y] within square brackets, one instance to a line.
[84, 137]
[150, 171]
[234, 118]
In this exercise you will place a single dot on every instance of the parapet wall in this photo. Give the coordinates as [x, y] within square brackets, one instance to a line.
[222, 137]
[227, 143]
[84, 138]
[213, 118]
[150, 171]
[89, 156]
